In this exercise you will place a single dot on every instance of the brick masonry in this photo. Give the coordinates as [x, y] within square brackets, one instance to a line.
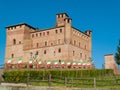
[62, 42]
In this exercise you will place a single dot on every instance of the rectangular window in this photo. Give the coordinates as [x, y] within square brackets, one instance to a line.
[36, 35]
[80, 55]
[37, 45]
[59, 50]
[43, 33]
[58, 41]
[60, 30]
[56, 31]
[79, 44]
[73, 53]
[45, 43]
[48, 33]
[85, 46]
[40, 34]
[74, 42]
[44, 51]
[85, 57]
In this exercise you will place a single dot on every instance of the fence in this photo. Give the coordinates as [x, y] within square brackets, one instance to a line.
[53, 81]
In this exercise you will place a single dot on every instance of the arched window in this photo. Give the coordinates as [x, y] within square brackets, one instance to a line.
[59, 50]
[14, 41]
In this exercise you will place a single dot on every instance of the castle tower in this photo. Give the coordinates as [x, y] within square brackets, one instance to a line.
[60, 19]
[17, 40]
[68, 30]
[89, 33]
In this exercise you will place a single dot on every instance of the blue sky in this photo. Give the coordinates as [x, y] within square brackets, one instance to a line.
[100, 16]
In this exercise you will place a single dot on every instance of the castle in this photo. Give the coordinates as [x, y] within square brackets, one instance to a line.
[62, 42]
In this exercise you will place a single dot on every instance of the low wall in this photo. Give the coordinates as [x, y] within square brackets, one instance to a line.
[47, 88]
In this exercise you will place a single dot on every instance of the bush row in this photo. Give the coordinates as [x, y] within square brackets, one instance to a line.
[21, 76]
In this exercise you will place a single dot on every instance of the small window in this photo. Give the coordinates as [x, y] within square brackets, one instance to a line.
[12, 55]
[85, 46]
[51, 44]
[60, 30]
[54, 53]
[59, 50]
[58, 41]
[36, 35]
[59, 61]
[68, 20]
[43, 33]
[15, 27]
[85, 57]
[79, 44]
[56, 31]
[45, 43]
[44, 51]
[19, 42]
[14, 41]
[36, 53]
[74, 42]
[37, 45]
[32, 35]
[73, 53]
[40, 34]
[58, 16]
[80, 55]
[48, 33]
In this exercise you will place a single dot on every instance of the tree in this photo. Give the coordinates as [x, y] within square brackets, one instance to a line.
[117, 54]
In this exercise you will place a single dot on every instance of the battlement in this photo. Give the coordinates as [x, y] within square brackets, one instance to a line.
[62, 15]
[16, 26]
[61, 19]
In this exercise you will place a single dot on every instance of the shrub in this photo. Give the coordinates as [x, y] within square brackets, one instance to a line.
[21, 76]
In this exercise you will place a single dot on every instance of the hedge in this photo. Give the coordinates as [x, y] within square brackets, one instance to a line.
[21, 76]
